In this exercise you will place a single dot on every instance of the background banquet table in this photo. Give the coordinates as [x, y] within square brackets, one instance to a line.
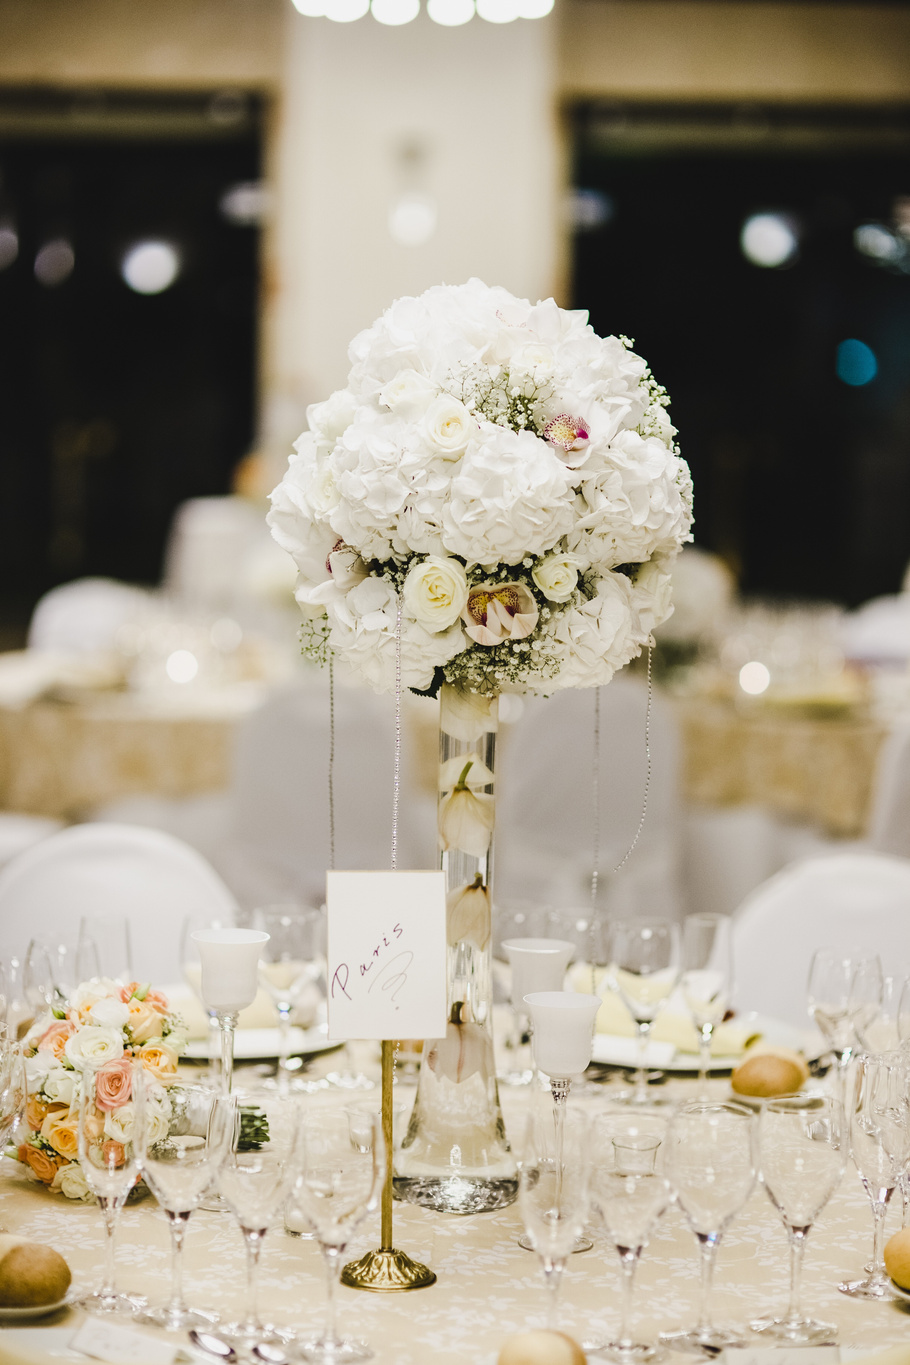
[487, 1286]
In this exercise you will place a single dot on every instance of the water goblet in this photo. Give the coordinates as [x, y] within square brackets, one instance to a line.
[341, 1172]
[629, 1193]
[845, 989]
[13, 1087]
[38, 978]
[182, 1137]
[108, 1106]
[878, 1128]
[711, 1166]
[802, 1153]
[230, 963]
[537, 964]
[553, 1192]
[706, 960]
[643, 968]
[255, 1178]
[292, 961]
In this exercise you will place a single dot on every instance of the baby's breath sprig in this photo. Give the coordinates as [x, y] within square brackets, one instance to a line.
[510, 399]
[314, 639]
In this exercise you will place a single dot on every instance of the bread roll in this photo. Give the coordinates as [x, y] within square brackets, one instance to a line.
[30, 1274]
[541, 1348]
[897, 1258]
[766, 1075]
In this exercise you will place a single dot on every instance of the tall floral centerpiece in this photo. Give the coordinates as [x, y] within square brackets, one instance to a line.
[492, 504]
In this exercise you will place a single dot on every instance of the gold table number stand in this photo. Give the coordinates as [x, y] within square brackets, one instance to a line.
[387, 1269]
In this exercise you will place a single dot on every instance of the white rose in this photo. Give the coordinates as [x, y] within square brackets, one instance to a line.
[408, 393]
[652, 594]
[70, 1181]
[329, 419]
[36, 1070]
[60, 1085]
[119, 1124]
[94, 1045]
[109, 1013]
[435, 592]
[450, 426]
[557, 576]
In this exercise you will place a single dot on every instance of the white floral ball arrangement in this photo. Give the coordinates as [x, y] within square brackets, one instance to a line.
[508, 477]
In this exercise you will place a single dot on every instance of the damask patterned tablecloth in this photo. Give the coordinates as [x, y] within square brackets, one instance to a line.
[487, 1286]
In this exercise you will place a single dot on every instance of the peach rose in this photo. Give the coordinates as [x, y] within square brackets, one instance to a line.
[44, 1166]
[53, 1039]
[62, 1133]
[114, 1084]
[94, 1126]
[144, 1022]
[157, 1001]
[35, 1113]
[112, 1153]
[160, 1061]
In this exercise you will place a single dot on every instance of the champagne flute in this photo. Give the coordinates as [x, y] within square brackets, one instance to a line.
[845, 989]
[182, 1139]
[291, 963]
[710, 1164]
[879, 1145]
[38, 978]
[108, 937]
[643, 968]
[339, 1182]
[629, 1193]
[255, 1179]
[802, 1152]
[109, 1105]
[553, 1191]
[707, 980]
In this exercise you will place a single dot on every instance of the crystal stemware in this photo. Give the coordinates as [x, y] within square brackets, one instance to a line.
[191, 967]
[553, 1191]
[339, 1181]
[182, 1138]
[536, 964]
[629, 1193]
[710, 1163]
[291, 963]
[845, 990]
[255, 1179]
[643, 968]
[802, 1152]
[230, 961]
[878, 1122]
[108, 1105]
[706, 959]
[108, 937]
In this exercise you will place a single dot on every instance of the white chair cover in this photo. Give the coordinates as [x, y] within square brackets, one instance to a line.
[83, 617]
[544, 822]
[841, 900]
[19, 832]
[889, 820]
[879, 630]
[152, 878]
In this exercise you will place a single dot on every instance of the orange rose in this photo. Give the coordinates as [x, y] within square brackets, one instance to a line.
[160, 1061]
[53, 1039]
[157, 1001]
[112, 1154]
[35, 1112]
[94, 1126]
[45, 1167]
[144, 1022]
[62, 1133]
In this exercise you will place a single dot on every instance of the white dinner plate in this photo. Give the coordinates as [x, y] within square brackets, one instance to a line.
[41, 1310]
[264, 1044]
[608, 1052]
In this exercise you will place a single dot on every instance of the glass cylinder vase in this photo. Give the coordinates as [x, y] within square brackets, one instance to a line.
[455, 1156]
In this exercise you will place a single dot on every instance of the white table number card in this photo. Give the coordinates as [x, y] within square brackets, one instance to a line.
[386, 955]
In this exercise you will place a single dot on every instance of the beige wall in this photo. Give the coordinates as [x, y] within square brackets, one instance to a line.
[683, 49]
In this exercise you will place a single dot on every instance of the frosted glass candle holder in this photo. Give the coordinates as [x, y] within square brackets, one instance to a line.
[563, 1031]
[538, 964]
[230, 980]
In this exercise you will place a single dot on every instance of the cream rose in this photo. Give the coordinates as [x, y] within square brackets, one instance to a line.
[94, 1045]
[436, 591]
[450, 426]
[60, 1085]
[557, 576]
[70, 1181]
[144, 1021]
[60, 1131]
[109, 1013]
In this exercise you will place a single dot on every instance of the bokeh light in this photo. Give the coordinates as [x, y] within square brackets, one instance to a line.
[769, 240]
[856, 363]
[181, 666]
[9, 245]
[498, 11]
[54, 263]
[754, 678]
[346, 11]
[451, 13]
[412, 218]
[150, 267]
[395, 12]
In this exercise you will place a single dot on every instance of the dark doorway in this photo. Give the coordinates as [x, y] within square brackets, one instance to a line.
[115, 405]
[802, 474]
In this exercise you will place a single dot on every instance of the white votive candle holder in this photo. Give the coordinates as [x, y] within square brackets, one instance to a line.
[230, 980]
[538, 964]
[562, 1024]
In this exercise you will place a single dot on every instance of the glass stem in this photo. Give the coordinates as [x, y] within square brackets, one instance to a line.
[707, 1245]
[705, 1035]
[879, 1209]
[797, 1238]
[284, 1048]
[560, 1091]
[178, 1222]
[332, 1257]
[905, 1199]
[641, 1075]
[214, 1048]
[109, 1212]
[252, 1241]
[227, 1022]
[628, 1260]
[552, 1278]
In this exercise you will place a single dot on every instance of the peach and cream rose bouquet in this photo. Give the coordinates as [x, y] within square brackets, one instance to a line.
[104, 1024]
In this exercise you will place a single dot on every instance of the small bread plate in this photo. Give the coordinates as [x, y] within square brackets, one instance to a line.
[610, 1051]
[264, 1044]
[37, 1310]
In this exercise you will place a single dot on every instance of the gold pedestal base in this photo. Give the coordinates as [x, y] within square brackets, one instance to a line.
[387, 1271]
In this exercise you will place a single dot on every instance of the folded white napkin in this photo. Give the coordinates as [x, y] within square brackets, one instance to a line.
[624, 1051]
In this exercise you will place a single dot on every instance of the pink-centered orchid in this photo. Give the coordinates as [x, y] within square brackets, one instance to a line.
[499, 611]
[567, 432]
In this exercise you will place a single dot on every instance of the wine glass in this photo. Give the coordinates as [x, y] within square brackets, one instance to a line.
[13, 1087]
[291, 963]
[643, 968]
[341, 1172]
[845, 990]
[108, 936]
[710, 1163]
[629, 1193]
[706, 960]
[109, 1160]
[802, 1153]
[553, 1191]
[255, 1179]
[182, 1138]
[38, 978]
[879, 1145]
